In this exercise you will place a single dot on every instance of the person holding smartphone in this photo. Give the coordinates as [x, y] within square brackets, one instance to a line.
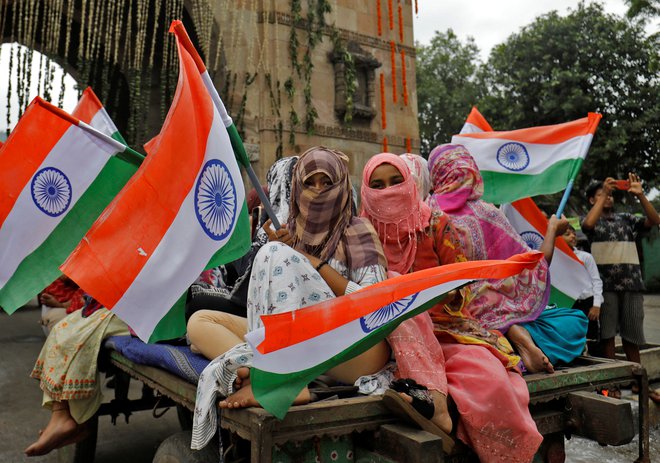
[612, 236]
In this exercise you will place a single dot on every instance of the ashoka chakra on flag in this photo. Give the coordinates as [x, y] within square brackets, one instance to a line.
[51, 191]
[513, 156]
[386, 314]
[532, 239]
[215, 200]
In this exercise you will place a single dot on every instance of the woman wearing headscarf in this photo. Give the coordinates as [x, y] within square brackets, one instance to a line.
[419, 168]
[462, 354]
[221, 323]
[323, 251]
[485, 233]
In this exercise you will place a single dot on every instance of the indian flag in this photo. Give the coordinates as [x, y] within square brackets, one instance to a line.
[568, 275]
[183, 211]
[528, 162]
[295, 347]
[57, 174]
[475, 123]
[90, 110]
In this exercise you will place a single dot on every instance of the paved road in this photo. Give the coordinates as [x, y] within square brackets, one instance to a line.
[21, 415]
[20, 397]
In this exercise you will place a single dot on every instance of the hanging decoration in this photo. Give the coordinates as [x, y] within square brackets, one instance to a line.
[385, 147]
[416, 9]
[383, 113]
[408, 145]
[404, 81]
[400, 23]
[393, 62]
[379, 13]
[390, 13]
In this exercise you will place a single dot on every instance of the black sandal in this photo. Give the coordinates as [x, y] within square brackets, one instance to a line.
[419, 412]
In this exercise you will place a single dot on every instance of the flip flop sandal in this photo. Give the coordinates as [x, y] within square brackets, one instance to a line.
[418, 412]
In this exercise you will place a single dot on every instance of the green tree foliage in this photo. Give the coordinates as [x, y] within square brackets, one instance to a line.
[559, 68]
[446, 87]
[643, 8]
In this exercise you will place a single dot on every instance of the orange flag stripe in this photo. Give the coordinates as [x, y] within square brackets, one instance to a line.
[290, 328]
[125, 238]
[86, 112]
[548, 134]
[20, 159]
[476, 118]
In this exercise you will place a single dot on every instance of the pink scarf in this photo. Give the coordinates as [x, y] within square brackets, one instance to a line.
[396, 212]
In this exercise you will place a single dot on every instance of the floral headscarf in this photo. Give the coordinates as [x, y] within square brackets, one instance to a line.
[323, 223]
[456, 177]
[419, 167]
[396, 212]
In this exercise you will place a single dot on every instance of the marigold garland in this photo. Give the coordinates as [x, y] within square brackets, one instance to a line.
[393, 59]
[404, 82]
[408, 145]
[400, 24]
[390, 12]
[380, 17]
[383, 115]
[385, 148]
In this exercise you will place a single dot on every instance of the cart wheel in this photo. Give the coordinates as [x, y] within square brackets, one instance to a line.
[83, 451]
[185, 417]
[176, 449]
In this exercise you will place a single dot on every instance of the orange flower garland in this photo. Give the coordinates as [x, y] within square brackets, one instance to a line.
[383, 115]
[393, 59]
[385, 148]
[400, 24]
[380, 17]
[408, 145]
[390, 12]
[403, 77]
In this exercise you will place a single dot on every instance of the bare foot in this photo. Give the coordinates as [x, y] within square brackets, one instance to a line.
[533, 357]
[242, 378]
[441, 417]
[244, 398]
[60, 428]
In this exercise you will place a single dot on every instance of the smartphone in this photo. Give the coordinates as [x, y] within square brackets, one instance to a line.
[622, 184]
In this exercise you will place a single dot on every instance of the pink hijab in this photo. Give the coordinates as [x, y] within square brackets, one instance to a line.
[396, 212]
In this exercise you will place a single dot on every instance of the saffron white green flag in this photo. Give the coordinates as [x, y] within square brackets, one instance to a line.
[475, 123]
[57, 174]
[295, 347]
[528, 162]
[568, 276]
[184, 211]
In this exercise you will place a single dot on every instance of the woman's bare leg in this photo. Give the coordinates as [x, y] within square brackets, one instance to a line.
[60, 430]
[367, 363]
[533, 357]
[244, 397]
[213, 333]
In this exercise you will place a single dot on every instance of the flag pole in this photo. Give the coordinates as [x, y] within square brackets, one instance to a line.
[564, 199]
[239, 150]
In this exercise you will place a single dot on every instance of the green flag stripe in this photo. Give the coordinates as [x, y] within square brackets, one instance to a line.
[40, 268]
[560, 299]
[500, 187]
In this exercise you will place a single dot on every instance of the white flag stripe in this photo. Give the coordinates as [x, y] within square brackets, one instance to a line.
[566, 274]
[80, 157]
[541, 156]
[102, 122]
[183, 252]
[312, 352]
[469, 127]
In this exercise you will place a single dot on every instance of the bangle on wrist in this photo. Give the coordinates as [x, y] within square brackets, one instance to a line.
[321, 264]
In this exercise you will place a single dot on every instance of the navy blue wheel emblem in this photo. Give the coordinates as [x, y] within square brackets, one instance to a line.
[386, 314]
[513, 156]
[532, 239]
[51, 191]
[215, 200]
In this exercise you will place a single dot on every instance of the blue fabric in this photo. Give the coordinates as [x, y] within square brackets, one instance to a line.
[179, 360]
[560, 333]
